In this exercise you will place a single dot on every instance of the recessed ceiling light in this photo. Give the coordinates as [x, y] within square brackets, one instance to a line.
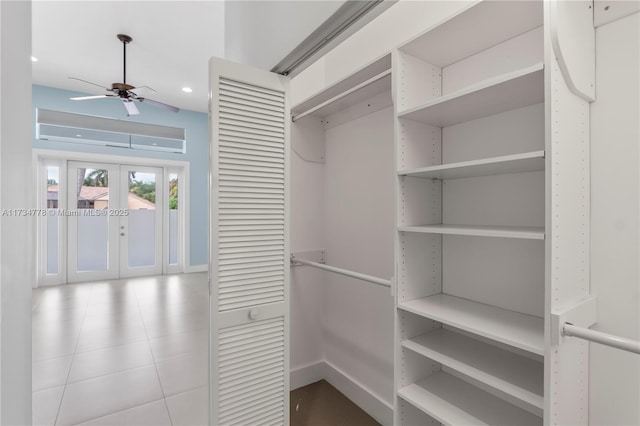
[187, 89]
[34, 59]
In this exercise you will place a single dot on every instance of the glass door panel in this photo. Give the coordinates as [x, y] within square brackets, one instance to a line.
[141, 221]
[92, 202]
[174, 204]
[92, 191]
[52, 226]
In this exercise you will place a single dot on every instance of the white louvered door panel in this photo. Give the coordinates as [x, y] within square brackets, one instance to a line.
[249, 267]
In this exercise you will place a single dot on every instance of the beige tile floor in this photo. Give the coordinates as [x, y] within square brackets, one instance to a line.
[124, 352]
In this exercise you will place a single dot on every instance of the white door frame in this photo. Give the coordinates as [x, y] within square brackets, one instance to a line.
[45, 157]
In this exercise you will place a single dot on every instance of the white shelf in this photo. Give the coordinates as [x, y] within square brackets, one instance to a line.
[452, 401]
[522, 232]
[476, 28]
[483, 57]
[515, 375]
[353, 81]
[506, 92]
[517, 163]
[521, 331]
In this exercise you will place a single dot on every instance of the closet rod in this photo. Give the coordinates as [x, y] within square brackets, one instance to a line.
[339, 96]
[602, 338]
[358, 275]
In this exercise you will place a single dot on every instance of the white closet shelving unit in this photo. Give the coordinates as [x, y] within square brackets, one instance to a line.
[491, 121]
[488, 150]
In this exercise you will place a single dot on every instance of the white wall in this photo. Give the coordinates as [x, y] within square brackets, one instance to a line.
[17, 270]
[359, 227]
[307, 293]
[341, 328]
[615, 221]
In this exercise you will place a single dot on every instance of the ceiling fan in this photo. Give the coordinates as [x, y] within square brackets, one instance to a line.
[123, 90]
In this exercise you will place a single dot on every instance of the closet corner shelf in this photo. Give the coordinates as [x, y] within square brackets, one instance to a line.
[507, 372]
[356, 85]
[522, 232]
[512, 328]
[452, 401]
[506, 92]
[516, 163]
[471, 30]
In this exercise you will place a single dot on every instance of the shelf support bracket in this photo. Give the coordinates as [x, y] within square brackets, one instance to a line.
[307, 140]
[311, 255]
[583, 314]
[573, 43]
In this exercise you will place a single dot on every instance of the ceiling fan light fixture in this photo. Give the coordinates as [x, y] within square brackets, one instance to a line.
[123, 90]
[187, 89]
[131, 107]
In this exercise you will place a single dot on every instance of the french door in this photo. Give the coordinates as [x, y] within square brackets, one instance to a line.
[115, 216]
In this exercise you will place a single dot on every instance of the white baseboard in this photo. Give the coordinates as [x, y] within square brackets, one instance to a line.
[46, 284]
[303, 376]
[196, 268]
[371, 403]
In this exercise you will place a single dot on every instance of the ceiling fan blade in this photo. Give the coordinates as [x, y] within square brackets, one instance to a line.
[144, 88]
[89, 82]
[159, 104]
[84, 98]
[131, 107]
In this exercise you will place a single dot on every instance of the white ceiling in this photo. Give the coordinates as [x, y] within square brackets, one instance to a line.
[262, 33]
[172, 41]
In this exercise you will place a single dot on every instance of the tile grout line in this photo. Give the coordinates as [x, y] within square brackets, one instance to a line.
[120, 371]
[110, 373]
[117, 412]
[84, 322]
[73, 355]
[153, 357]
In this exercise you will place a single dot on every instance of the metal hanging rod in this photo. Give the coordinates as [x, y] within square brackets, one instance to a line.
[358, 275]
[339, 96]
[602, 338]
[567, 330]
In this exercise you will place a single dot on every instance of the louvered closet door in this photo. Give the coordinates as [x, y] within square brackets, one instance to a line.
[249, 270]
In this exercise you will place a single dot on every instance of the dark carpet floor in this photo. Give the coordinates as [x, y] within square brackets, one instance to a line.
[320, 404]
